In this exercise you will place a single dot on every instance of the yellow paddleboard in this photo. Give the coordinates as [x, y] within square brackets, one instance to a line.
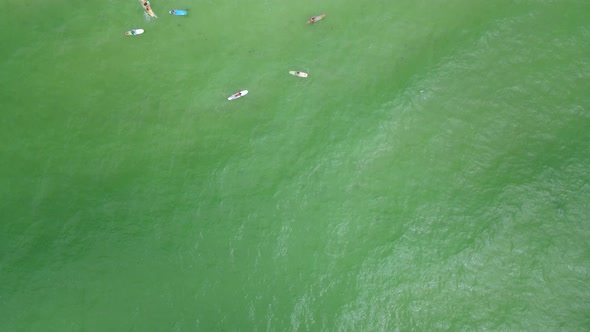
[148, 9]
[315, 18]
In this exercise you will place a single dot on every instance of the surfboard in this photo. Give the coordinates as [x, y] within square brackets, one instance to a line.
[178, 12]
[315, 18]
[298, 73]
[147, 9]
[238, 95]
[134, 32]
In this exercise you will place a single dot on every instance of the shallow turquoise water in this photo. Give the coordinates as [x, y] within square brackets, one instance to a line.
[430, 174]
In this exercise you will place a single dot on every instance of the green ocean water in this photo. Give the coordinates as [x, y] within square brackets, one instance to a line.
[431, 174]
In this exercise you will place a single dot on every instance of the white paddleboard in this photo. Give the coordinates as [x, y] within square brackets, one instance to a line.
[298, 73]
[134, 32]
[238, 95]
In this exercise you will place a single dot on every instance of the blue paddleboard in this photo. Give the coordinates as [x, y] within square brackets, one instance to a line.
[178, 12]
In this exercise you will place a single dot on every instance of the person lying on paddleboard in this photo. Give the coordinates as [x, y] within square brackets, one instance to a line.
[298, 73]
[316, 18]
[147, 6]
